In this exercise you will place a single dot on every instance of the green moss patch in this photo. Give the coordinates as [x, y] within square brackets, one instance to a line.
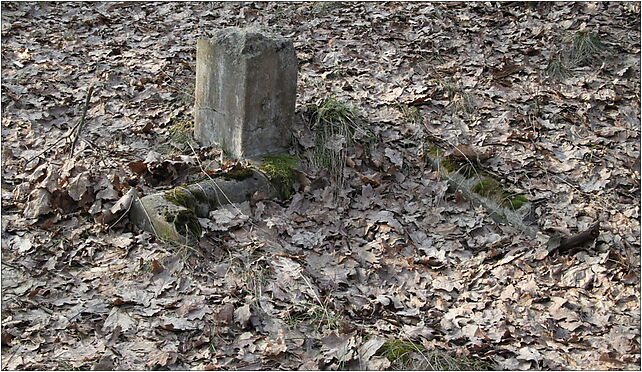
[185, 223]
[181, 196]
[445, 163]
[434, 151]
[238, 174]
[399, 351]
[278, 169]
[463, 168]
[449, 165]
[516, 201]
[491, 188]
[487, 187]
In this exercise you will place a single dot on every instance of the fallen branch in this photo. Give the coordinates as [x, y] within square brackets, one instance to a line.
[574, 243]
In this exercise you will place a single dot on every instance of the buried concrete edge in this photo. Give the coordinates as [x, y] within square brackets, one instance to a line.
[470, 188]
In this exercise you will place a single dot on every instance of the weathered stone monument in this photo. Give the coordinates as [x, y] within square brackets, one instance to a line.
[245, 92]
[245, 96]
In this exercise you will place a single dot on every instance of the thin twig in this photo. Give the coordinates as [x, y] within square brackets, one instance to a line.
[147, 214]
[98, 149]
[90, 91]
[70, 132]
[13, 266]
[50, 147]
[131, 201]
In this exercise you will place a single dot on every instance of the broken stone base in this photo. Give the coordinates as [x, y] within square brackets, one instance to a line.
[173, 215]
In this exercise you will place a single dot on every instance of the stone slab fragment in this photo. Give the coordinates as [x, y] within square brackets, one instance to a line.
[245, 92]
[173, 214]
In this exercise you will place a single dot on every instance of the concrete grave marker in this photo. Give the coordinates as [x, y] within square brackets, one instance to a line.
[245, 92]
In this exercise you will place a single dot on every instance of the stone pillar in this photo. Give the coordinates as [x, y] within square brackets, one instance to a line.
[245, 92]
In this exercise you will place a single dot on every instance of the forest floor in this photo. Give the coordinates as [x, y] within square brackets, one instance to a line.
[390, 270]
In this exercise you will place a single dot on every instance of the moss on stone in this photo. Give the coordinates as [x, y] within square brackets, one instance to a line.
[202, 204]
[278, 169]
[238, 174]
[181, 196]
[185, 223]
[200, 195]
[515, 202]
[165, 232]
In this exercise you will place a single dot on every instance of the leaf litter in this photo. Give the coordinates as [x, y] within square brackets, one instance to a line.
[333, 278]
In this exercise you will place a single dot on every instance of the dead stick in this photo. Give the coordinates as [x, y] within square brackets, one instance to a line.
[71, 131]
[48, 148]
[573, 242]
[82, 119]
[99, 150]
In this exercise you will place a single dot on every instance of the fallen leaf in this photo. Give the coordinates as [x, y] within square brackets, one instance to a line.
[242, 315]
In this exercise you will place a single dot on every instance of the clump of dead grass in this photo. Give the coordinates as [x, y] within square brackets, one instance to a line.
[186, 93]
[407, 355]
[557, 69]
[410, 114]
[336, 126]
[586, 46]
[318, 316]
[181, 131]
[460, 99]
[581, 49]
